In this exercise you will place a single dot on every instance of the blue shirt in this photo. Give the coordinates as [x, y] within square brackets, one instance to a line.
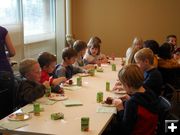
[153, 80]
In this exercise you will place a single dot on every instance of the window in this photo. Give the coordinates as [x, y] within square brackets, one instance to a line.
[39, 20]
[9, 13]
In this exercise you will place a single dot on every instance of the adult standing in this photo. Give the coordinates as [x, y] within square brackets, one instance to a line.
[6, 74]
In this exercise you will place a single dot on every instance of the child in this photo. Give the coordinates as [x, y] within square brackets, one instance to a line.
[176, 55]
[166, 59]
[153, 80]
[137, 43]
[154, 46]
[94, 40]
[66, 68]
[172, 39]
[30, 89]
[80, 47]
[47, 63]
[93, 55]
[140, 114]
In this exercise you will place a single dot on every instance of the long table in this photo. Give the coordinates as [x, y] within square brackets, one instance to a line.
[71, 124]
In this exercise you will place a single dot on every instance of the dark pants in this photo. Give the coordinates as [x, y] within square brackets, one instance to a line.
[6, 93]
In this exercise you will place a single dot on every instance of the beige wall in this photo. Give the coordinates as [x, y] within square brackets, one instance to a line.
[117, 22]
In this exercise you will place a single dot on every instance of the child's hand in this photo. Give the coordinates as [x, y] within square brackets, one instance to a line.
[125, 97]
[62, 79]
[89, 67]
[59, 80]
[98, 62]
[118, 103]
[46, 84]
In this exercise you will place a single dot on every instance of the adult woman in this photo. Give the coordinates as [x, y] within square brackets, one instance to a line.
[6, 74]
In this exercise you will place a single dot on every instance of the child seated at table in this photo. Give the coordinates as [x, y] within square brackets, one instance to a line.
[93, 55]
[66, 68]
[47, 62]
[140, 111]
[80, 47]
[29, 88]
[144, 59]
[94, 40]
[176, 55]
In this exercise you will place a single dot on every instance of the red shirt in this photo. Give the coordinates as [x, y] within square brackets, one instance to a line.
[45, 77]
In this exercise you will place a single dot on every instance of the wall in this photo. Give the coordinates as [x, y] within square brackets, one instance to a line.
[117, 22]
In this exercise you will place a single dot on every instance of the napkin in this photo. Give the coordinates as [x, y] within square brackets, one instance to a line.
[103, 109]
[71, 102]
[72, 88]
[11, 125]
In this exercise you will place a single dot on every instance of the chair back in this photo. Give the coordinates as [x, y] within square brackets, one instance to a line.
[164, 111]
[6, 93]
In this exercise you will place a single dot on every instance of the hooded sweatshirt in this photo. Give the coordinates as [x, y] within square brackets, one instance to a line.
[140, 114]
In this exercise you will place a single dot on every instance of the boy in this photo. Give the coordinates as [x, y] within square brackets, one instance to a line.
[80, 47]
[47, 63]
[153, 79]
[30, 89]
[140, 112]
[66, 68]
[172, 39]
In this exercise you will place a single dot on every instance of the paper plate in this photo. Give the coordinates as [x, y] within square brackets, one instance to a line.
[83, 74]
[57, 97]
[107, 105]
[99, 69]
[120, 92]
[15, 117]
[68, 85]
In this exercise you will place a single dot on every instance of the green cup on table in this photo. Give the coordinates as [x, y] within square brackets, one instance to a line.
[92, 72]
[85, 124]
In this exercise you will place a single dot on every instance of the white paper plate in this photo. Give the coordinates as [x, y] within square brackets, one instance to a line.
[107, 105]
[83, 74]
[13, 117]
[120, 92]
[57, 97]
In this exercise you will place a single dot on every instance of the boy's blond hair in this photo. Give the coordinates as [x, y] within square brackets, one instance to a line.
[26, 66]
[132, 76]
[144, 54]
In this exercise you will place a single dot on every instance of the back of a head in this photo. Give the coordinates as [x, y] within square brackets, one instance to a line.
[68, 53]
[165, 51]
[153, 45]
[143, 54]
[131, 75]
[79, 45]
[46, 58]
[26, 66]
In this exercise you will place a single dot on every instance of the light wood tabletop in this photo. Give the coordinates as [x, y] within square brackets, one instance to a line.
[71, 124]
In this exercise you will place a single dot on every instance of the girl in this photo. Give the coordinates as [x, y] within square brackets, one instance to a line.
[93, 55]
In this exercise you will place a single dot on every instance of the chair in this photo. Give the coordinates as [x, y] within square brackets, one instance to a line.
[164, 112]
[171, 78]
[6, 93]
[168, 91]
